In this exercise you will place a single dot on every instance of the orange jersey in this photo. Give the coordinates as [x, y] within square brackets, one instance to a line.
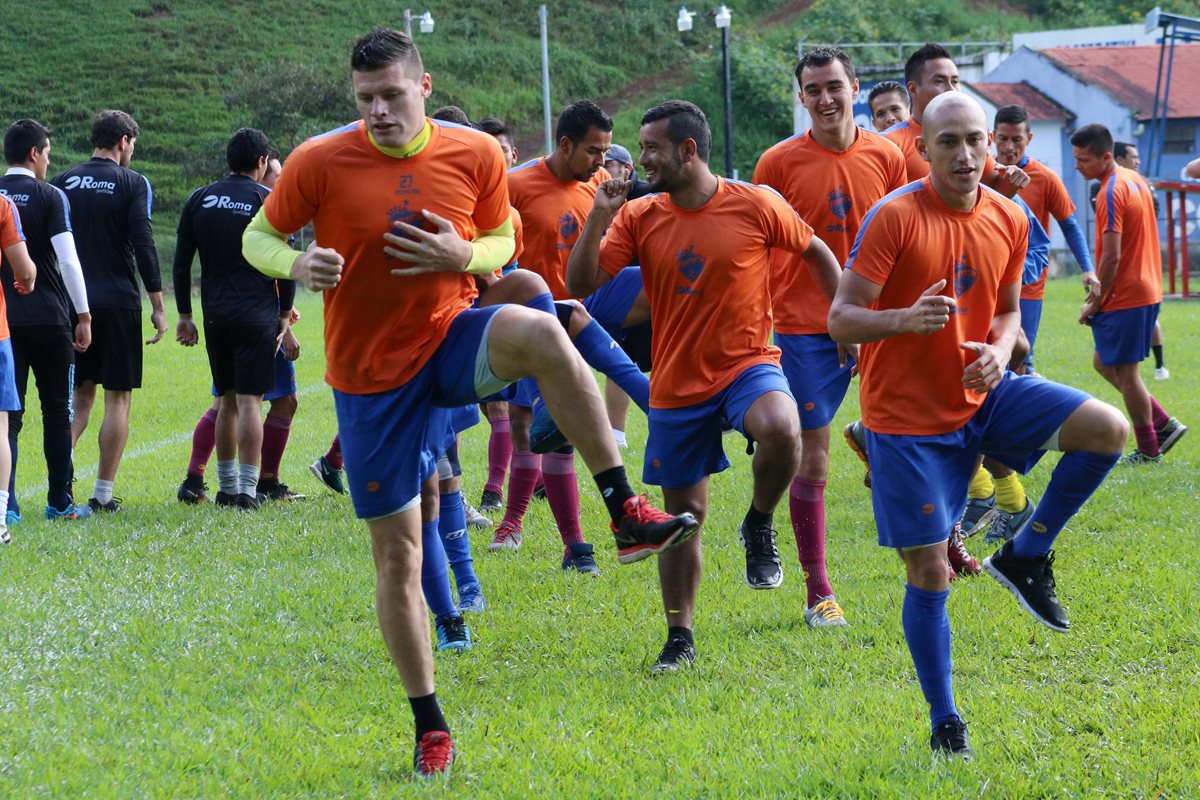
[707, 274]
[1125, 205]
[380, 329]
[553, 212]
[832, 192]
[904, 135]
[10, 234]
[912, 384]
[1046, 196]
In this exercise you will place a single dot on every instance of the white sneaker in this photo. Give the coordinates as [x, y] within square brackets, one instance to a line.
[5, 538]
[1161, 374]
[474, 518]
[825, 613]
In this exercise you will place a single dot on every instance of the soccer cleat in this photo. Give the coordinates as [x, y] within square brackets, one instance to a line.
[962, 562]
[978, 514]
[1161, 374]
[433, 755]
[1169, 434]
[470, 599]
[645, 531]
[474, 518]
[763, 570]
[490, 502]
[11, 517]
[193, 490]
[113, 506]
[825, 613]
[544, 435]
[950, 739]
[452, 633]
[508, 537]
[332, 478]
[1032, 581]
[539, 493]
[579, 557]
[71, 512]
[250, 502]
[1005, 524]
[226, 499]
[5, 536]
[856, 437]
[676, 654]
[274, 489]
[1137, 459]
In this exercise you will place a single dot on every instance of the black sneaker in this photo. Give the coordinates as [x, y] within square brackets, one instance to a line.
[763, 570]
[540, 493]
[112, 506]
[226, 499]
[193, 490]
[676, 654]
[250, 502]
[950, 739]
[1032, 581]
[579, 557]
[273, 489]
[490, 503]
[645, 531]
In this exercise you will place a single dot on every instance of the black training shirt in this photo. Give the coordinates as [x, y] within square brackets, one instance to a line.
[44, 214]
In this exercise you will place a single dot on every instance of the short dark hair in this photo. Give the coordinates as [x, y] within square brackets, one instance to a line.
[1011, 115]
[1095, 138]
[914, 68]
[383, 47]
[1121, 149]
[580, 117]
[685, 121]
[109, 126]
[884, 87]
[451, 114]
[493, 126]
[23, 136]
[245, 148]
[823, 56]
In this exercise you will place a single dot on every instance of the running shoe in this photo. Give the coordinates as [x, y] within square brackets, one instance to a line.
[1162, 374]
[490, 502]
[978, 514]
[763, 570]
[474, 518]
[1169, 434]
[676, 654]
[645, 531]
[11, 517]
[433, 755]
[825, 613]
[508, 537]
[1005, 524]
[193, 490]
[452, 633]
[71, 512]
[856, 436]
[471, 599]
[580, 557]
[113, 506]
[962, 562]
[332, 478]
[1031, 580]
[1137, 459]
[950, 739]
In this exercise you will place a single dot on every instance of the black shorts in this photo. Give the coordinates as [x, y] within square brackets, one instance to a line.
[114, 359]
[241, 357]
[635, 342]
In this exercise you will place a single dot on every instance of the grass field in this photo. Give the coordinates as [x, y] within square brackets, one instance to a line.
[175, 652]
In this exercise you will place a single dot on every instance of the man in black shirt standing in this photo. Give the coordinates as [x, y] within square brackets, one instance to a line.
[40, 322]
[242, 310]
[111, 208]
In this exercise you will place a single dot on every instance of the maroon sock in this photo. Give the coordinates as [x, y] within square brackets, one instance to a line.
[1147, 439]
[1158, 415]
[500, 450]
[204, 441]
[275, 437]
[334, 457]
[562, 493]
[807, 504]
[526, 467]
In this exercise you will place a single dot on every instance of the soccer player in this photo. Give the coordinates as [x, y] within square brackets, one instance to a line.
[889, 104]
[931, 291]
[405, 213]
[831, 175]
[40, 322]
[111, 207]
[1122, 312]
[704, 243]
[619, 164]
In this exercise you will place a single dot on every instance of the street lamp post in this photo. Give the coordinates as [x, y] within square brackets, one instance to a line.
[425, 21]
[722, 18]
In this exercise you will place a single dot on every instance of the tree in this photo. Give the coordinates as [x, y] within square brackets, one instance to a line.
[290, 101]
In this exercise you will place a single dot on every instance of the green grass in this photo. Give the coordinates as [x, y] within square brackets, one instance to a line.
[185, 652]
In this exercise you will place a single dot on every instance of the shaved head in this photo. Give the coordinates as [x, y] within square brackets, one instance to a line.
[952, 108]
[955, 140]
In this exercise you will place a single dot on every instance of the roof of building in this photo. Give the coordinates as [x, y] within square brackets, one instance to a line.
[1129, 74]
[1039, 107]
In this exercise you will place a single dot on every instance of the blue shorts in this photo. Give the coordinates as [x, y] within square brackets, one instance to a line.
[919, 483]
[1031, 318]
[9, 399]
[391, 440]
[684, 444]
[1123, 337]
[609, 305]
[523, 392]
[285, 379]
[810, 362]
[464, 417]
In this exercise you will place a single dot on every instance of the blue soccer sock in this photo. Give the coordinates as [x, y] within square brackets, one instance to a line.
[927, 629]
[603, 354]
[435, 580]
[1075, 478]
[452, 525]
[543, 302]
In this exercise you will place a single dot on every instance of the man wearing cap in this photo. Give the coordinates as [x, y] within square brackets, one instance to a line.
[619, 164]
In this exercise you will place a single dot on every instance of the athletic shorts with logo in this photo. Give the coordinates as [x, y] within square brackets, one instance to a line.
[818, 382]
[1123, 337]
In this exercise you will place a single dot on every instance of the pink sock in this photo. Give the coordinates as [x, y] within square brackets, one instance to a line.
[500, 451]
[562, 492]
[204, 441]
[334, 456]
[275, 437]
[1147, 439]
[807, 503]
[526, 467]
[1158, 414]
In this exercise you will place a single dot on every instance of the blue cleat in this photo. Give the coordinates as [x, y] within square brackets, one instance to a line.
[71, 512]
[11, 517]
[452, 633]
[471, 599]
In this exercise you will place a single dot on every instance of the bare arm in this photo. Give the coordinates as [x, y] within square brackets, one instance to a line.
[823, 266]
[1106, 270]
[584, 275]
[24, 270]
[853, 321]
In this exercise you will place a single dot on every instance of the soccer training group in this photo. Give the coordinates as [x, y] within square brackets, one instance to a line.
[455, 280]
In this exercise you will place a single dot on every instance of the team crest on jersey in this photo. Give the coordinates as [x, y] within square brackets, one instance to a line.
[403, 213]
[964, 277]
[839, 202]
[691, 265]
[568, 227]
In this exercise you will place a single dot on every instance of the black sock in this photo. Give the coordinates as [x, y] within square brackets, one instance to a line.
[678, 631]
[1158, 358]
[757, 519]
[615, 489]
[427, 715]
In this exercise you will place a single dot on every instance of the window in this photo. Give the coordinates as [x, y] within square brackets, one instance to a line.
[1180, 137]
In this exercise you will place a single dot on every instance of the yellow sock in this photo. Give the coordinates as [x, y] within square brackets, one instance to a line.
[981, 486]
[1010, 494]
